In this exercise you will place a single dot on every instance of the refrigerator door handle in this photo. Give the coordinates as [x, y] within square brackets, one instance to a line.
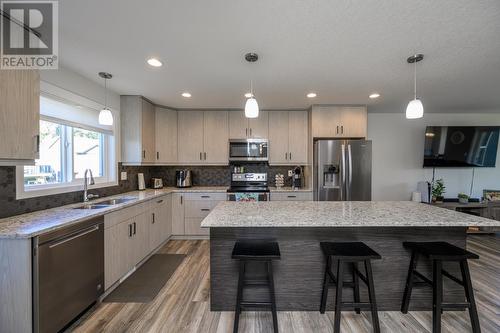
[349, 185]
[343, 171]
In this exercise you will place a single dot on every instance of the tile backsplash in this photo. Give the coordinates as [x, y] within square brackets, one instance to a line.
[202, 176]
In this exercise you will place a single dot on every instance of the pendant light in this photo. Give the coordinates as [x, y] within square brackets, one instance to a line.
[251, 105]
[105, 116]
[415, 109]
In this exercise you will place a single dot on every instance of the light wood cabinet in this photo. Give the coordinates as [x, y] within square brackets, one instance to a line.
[166, 135]
[203, 137]
[215, 137]
[241, 127]
[160, 228]
[137, 117]
[140, 237]
[116, 254]
[177, 214]
[288, 137]
[291, 196]
[339, 121]
[19, 115]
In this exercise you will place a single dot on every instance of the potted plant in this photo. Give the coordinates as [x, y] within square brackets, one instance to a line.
[463, 198]
[438, 189]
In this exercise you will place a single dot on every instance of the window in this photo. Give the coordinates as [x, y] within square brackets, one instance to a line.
[71, 142]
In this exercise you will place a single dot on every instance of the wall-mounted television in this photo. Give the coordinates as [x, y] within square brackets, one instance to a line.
[461, 146]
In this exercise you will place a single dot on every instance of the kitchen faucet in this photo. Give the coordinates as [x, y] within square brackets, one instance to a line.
[86, 183]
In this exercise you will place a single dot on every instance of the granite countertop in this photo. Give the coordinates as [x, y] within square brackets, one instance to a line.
[289, 189]
[42, 221]
[338, 214]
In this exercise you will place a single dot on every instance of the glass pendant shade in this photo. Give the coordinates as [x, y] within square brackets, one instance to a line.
[251, 108]
[415, 109]
[105, 117]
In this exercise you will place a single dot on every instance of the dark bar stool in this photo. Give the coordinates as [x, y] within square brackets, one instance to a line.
[262, 251]
[438, 252]
[349, 253]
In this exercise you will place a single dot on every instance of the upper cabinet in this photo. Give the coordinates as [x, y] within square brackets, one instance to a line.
[166, 135]
[288, 137]
[241, 127]
[203, 137]
[137, 118]
[339, 121]
[19, 116]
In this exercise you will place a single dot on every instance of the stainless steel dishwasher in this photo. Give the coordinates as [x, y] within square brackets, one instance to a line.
[68, 273]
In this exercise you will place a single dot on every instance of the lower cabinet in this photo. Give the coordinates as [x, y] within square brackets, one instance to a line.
[291, 196]
[189, 210]
[132, 233]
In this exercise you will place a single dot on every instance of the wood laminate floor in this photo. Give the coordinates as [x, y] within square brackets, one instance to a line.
[183, 303]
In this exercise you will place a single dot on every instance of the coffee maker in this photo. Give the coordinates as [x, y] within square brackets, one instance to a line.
[297, 176]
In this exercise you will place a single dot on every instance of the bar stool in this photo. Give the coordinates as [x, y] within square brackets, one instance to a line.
[262, 251]
[349, 253]
[438, 252]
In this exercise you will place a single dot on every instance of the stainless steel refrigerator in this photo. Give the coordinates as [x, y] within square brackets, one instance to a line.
[342, 170]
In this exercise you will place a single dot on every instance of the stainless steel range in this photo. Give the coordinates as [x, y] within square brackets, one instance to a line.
[248, 187]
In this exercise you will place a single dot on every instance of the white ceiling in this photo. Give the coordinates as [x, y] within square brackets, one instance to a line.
[343, 50]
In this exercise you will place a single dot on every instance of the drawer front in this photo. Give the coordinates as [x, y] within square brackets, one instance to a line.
[199, 208]
[121, 215]
[193, 226]
[291, 196]
[213, 196]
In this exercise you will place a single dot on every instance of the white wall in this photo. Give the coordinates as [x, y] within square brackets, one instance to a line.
[398, 149]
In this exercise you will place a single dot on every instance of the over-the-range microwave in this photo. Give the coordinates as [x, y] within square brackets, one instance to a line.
[253, 150]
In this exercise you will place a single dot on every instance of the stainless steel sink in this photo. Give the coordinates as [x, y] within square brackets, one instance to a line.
[104, 204]
[114, 201]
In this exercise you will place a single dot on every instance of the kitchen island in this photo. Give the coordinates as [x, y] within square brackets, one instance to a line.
[299, 227]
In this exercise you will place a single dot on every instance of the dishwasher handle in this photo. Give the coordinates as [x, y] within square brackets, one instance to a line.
[78, 235]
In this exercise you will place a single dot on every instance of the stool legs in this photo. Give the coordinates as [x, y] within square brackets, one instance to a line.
[355, 281]
[239, 296]
[437, 295]
[326, 282]
[371, 294]
[469, 294]
[338, 295]
[271, 291]
[409, 283]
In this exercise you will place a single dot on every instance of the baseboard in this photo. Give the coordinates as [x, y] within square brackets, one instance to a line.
[190, 237]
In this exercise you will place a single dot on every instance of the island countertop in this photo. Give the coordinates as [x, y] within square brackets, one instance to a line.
[339, 214]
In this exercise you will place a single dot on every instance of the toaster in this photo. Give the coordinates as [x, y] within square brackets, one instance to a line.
[157, 183]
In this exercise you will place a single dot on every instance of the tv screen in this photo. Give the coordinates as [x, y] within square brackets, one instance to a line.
[461, 146]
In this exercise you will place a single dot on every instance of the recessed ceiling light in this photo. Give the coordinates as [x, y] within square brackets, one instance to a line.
[311, 95]
[248, 95]
[374, 95]
[186, 94]
[154, 62]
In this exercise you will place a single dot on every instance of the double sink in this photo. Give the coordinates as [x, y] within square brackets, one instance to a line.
[104, 204]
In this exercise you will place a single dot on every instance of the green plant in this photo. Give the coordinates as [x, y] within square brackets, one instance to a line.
[463, 196]
[438, 188]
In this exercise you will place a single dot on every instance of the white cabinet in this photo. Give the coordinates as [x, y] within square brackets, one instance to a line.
[288, 137]
[160, 228]
[137, 117]
[19, 115]
[166, 136]
[241, 127]
[339, 121]
[291, 196]
[190, 137]
[116, 256]
[177, 214]
[203, 137]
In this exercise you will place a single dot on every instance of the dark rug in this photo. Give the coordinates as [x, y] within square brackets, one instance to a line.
[145, 283]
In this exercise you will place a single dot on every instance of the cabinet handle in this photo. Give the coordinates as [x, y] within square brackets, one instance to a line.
[290, 155]
[201, 155]
[205, 210]
[337, 129]
[286, 156]
[181, 199]
[130, 230]
[135, 228]
[205, 156]
[143, 154]
[157, 155]
[153, 222]
[37, 143]
[159, 201]
[205, 196]
[342, 129]
[291, 196]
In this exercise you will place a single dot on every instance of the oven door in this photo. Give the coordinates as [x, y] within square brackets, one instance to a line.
[248, 196]
[248, 150]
